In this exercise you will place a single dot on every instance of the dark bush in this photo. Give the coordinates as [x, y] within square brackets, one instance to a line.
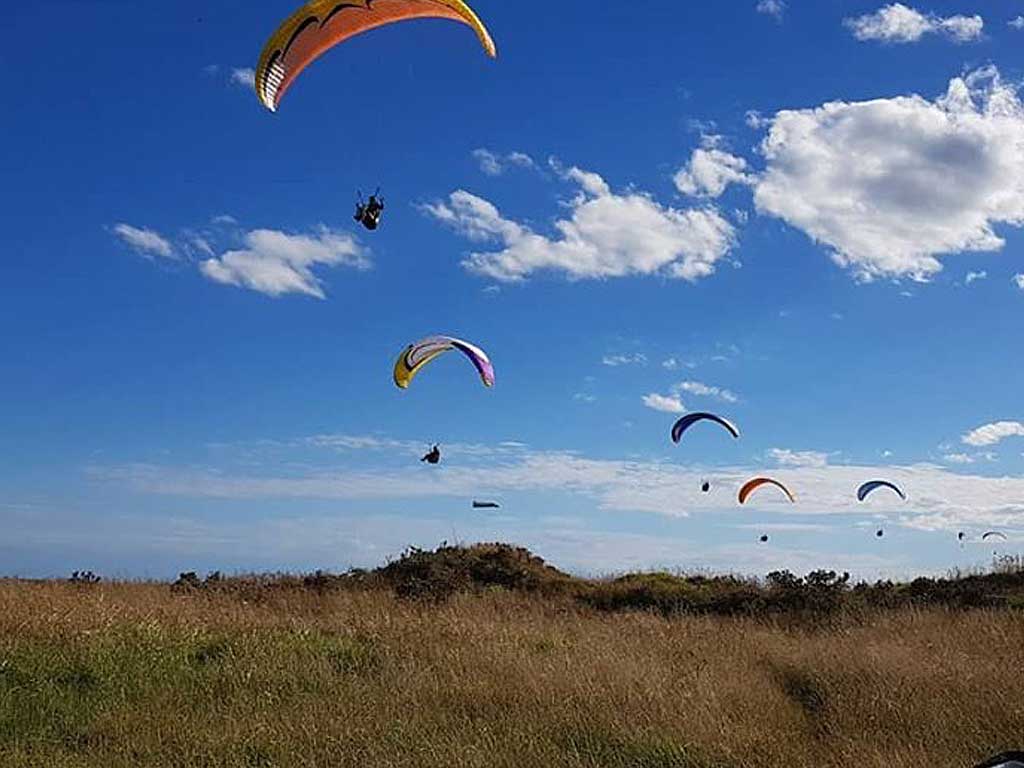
[435, 576]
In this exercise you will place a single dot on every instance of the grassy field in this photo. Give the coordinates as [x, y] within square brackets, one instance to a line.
[286, 673]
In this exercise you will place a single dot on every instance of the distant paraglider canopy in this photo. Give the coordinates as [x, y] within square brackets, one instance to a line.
[758, 482]
[994, 535]
[319, 25]
[417, 355]
[692, 418]
[486, 505]
[870, 487]
[1005, 760]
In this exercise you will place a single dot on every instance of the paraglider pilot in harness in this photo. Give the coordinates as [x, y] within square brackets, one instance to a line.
[368, 214]
[434, 457]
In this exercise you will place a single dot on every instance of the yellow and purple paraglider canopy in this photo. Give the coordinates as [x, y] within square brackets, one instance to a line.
[417, 355]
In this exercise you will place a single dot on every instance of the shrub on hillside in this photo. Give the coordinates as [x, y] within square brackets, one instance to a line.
[435, 576]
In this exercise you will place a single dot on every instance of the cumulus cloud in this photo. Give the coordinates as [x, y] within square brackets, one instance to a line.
[144, 241]
[705, 390]
[898, 23]
[993, 434]
[774, 8]
[664, 403]
[276, 263]
[493, 164]
[787, 458]
[711, 170]
[1018, 280]
[890, 185]
[243, 76]
[605, 235]
[1017, 23]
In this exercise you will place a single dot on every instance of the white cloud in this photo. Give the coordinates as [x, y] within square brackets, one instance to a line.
[664, 403]
[941, 500]
[754, 119]
[892, 184]
[704, 390]
[897, 23]
[615, 361]
[145, 241]
[243, 76]
[276, 263]
[958, 458]
[584, 397]
[1019, 281]
[973, 277]
[493, 164]
[774, 8]
[992, 434]
[675, 364]
[1017, 23]
[711, 170]
[606, 235]
[787, 458]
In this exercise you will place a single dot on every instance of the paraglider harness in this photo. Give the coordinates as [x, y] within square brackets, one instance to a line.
[434, 457]
[368, 214]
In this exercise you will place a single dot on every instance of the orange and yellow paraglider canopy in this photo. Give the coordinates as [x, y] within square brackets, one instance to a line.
[322, 24]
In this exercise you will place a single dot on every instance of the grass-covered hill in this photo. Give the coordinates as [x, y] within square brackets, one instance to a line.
[487, 656]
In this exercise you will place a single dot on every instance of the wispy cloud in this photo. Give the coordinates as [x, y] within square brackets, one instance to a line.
[616, 361]
[788, 458]
[993, 434]
[1017, 23]
[941, 499]
[145, 241]
[973, 277]
[705, 390]
[664, 403]
[243, 76]
[898, 23]
[776, 8]
[496, 164]
[1018, 280]
[958, 458]
[675, 364]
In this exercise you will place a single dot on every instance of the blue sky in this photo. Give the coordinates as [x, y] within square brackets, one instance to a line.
[805, 216]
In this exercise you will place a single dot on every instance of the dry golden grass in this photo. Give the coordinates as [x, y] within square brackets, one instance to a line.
[136, 675]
